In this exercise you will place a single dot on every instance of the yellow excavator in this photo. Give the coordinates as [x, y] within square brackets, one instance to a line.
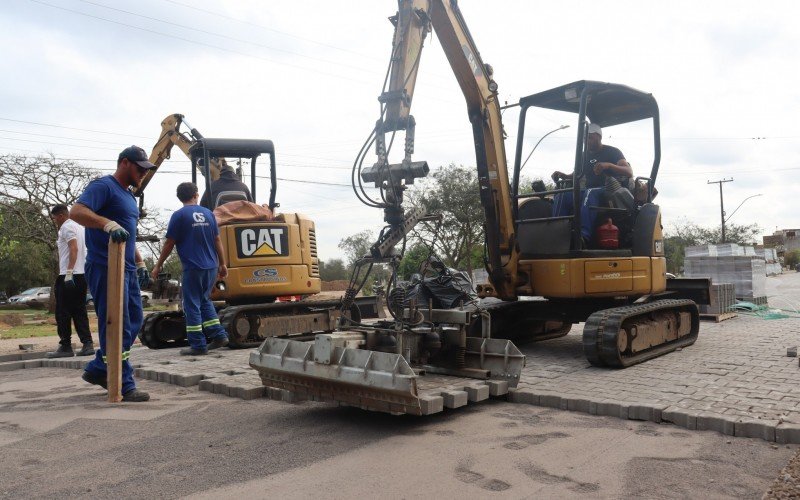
[266, 259]
[630, 311]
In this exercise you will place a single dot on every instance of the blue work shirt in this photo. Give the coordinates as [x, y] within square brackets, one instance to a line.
[106, 197]
[194, 230]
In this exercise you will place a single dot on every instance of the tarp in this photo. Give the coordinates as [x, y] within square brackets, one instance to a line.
[242, 211]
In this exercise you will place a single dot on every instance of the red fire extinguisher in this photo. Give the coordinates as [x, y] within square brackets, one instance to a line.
[608, 235]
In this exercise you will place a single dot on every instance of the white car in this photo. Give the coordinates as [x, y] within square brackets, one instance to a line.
[37, 295]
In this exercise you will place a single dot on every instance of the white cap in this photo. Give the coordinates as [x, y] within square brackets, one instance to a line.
[595, 129]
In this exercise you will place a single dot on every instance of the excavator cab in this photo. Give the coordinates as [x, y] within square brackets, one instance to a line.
[540, 232]
[204, 151]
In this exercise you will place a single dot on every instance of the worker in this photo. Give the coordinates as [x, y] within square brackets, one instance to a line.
[601, 161]
[108, 209]
[193, 229]
[70, 288]
[225, 189]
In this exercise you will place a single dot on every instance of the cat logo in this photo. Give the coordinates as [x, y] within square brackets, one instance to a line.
[270, 241]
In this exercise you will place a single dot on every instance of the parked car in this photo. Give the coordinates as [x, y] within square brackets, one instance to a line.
[146, 298]
[37, 295]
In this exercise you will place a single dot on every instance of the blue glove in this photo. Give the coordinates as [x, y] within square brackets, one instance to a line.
[143, 276]
[117, 232]
[69, 281]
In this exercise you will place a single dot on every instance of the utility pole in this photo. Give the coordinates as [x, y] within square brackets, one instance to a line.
[721, 204]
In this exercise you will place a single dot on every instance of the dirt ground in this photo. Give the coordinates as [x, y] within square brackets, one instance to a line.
[58, 438]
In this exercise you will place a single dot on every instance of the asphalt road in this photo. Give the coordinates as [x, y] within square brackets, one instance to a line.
[59, 439]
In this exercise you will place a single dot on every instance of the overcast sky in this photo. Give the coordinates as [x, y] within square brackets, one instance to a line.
[85, 78]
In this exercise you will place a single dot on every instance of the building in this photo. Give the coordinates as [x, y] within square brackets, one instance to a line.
[783, 241]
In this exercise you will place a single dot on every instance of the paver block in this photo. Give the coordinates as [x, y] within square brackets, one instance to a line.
[431, 404]
[646, 412]
[550, 400]
[576, 404]
[14, 365]
[497, 387]
[206, 384]
[682, 417]
[34, 363]
[724, 424]
[524, 396]
[454, 399]
[477, 392]
[762, 429]
[185, 380]
[250, 392]
[787, 433]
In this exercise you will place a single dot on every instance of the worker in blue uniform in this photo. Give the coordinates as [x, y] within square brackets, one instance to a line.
[193, 229]
[107, 208]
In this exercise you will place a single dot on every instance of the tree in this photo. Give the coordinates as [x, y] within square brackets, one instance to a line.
[791, 259]
[356, 246]
[453, 192]
[29, 188]
[333, 270]
[685, 234]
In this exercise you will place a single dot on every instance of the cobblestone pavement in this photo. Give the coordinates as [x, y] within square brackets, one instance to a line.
[736, 379]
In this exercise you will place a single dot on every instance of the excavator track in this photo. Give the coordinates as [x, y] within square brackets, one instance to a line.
[624, 336]
[163, 329]
[249, 325]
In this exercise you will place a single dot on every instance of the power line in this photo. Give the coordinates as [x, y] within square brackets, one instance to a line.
[71, 128]
[227, 37]
[197, 42]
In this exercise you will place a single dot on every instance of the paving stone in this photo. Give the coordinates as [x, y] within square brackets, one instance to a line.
[787, 433]
[13, 365]
[497, 387]
[762, 429]
[524, 396]
[454, 399]
[431, 404]
[550, 400]
[723, 424]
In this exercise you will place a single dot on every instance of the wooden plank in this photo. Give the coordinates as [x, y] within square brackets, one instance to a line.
[114, 311]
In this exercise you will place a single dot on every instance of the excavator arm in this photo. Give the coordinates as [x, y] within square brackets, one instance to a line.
[171, 135]
[415, 18]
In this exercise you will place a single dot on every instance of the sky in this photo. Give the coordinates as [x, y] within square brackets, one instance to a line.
[86, 78]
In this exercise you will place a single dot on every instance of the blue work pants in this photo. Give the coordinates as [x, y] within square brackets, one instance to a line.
[201, 317]
[132, 317]
[562, 205]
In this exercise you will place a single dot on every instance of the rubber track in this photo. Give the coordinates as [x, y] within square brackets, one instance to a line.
[602, 328]
[147, 333]
[228, 315]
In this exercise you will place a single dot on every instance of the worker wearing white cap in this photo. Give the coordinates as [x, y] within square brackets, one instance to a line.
[601, 161]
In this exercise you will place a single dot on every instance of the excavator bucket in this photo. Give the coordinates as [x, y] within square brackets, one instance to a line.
[333, 368]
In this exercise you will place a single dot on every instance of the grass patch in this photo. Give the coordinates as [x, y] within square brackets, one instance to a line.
[45, 330]
[25, 331]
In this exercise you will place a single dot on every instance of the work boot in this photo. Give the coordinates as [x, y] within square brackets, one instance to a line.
[135, 396]
[61, 352]
[189, 351]
[87, 349]
[95, 379]
[217, 343]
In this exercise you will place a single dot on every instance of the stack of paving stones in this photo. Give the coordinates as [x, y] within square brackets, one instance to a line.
[736, 379]
[729, 263]
[722, 298]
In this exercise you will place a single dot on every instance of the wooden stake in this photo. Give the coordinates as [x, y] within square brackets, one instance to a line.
[114, 311]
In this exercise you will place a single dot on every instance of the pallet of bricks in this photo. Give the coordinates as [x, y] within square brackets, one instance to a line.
[729, 264]
[770, 256]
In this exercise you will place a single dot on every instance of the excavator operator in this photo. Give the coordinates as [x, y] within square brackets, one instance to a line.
[225, 189]
[601, 161]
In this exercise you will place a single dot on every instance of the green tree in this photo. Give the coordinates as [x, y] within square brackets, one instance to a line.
[791, 259]
[412, 261]
[333, 270]
[453, 192]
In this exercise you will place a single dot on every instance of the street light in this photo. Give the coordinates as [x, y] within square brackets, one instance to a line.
[740, 205]
[562, 127]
